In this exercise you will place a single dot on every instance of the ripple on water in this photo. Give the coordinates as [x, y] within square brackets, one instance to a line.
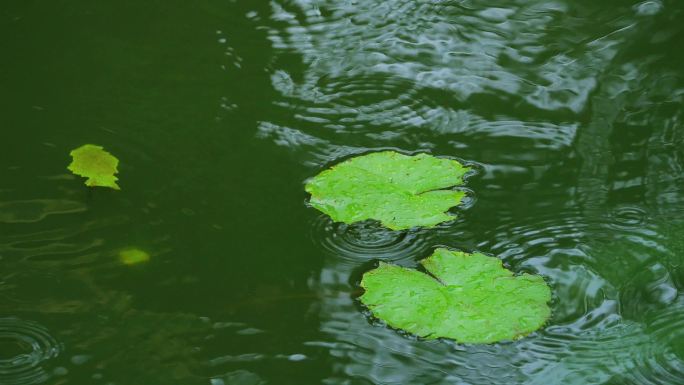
[540, 237]
[626, 217]
[667, 327]
[399, 72]
[32, 345]
[587, 354]
[463, 49]
[593, 261]
[35, 210]
[367, 240]
[616, 317]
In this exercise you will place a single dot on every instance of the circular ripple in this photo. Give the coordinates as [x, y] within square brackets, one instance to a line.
[540, 236]
[31, 345]
[367, 240]
[615, 316]
[573, 353]
[598, 334]
[626, 217]
[666, 326]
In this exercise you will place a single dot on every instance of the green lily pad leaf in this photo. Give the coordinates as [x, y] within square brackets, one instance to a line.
[470, 298]
[96, 164]
[398, 190]
[133, 256]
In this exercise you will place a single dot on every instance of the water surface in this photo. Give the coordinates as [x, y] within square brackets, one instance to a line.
[571, 113]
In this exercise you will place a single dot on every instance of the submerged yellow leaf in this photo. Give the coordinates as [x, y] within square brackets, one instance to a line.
[133, 256]
[96, 164]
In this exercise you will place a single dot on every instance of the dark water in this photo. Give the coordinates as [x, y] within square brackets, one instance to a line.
[572, 113]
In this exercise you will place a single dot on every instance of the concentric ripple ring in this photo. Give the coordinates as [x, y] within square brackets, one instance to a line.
[34, 345]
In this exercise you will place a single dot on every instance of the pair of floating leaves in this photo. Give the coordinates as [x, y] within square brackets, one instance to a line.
[96, 164]
[398, 190]
[470, 298]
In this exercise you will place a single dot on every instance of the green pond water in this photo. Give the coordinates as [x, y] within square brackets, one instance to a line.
[570, 112]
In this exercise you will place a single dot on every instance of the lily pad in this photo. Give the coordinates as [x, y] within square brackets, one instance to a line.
[96, 164]
[470, 298]
[398, 190]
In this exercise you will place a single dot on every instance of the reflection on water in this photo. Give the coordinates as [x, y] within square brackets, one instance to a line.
[552, 94]
[571, 112]
[405, 73]
[593, 337]
[35, 210]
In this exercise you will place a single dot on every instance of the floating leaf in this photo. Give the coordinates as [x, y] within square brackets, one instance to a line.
[470, 298]
[96, 164]
[398, 190]
[133, 256]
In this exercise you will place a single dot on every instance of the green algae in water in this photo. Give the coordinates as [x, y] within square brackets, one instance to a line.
[133, 256]
[470, 298]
